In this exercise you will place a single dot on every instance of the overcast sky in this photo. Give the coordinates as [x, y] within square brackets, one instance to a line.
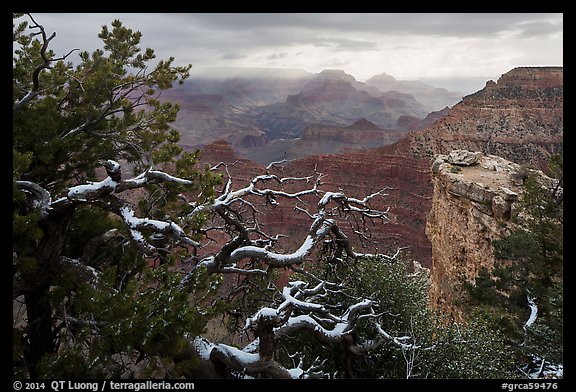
[406, 46]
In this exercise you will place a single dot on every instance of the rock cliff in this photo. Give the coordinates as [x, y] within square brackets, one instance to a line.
[473, 199]
[520, 118]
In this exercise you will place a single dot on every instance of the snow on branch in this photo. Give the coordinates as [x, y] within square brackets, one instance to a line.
[398, 341]
[343, 327]
[92, 190]
[298, 298]
[238, 360]
[230, 197]
[150, 177]
[288, 292]
[272, 164]
[275, 259]
[114, 182]
[302, 310]
[533, 311]
[248, 241]
[101, 193]
[315, 370]
[169, 229]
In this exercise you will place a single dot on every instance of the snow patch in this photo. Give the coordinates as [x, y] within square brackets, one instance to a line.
[328, 196]
[134, 222]
[242, 357]
[80, 192]
[533, 312]
[296, 302]
[203, 348]
[252, 347]
[140, 180]
[296, 372]
[266, 312]
[113, 165]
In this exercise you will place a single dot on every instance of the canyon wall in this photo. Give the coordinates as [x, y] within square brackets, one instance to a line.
[360, 173]
[472, 202]
[357, 173]
[520, 118]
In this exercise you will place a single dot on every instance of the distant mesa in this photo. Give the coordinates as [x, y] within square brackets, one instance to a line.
[433, 98]
[381, 79]
[364, 125]
[336, 74]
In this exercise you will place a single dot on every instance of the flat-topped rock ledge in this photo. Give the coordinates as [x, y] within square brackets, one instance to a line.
[491, 183]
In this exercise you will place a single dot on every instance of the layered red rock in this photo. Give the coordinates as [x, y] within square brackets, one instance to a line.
[361, 173]
[520, 118]
[357, 174]
[361, 134]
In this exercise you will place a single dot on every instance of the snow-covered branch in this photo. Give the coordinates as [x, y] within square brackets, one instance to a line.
[344, 326]
[92, 190]
[315, 370]
[320, 228]
[230, 197]
[533, 311]
[136, 226]
[398, 341]
[150, 177]
[239, 360]
[303, 310]
[298, 299]
[169, 229]
[101, 193]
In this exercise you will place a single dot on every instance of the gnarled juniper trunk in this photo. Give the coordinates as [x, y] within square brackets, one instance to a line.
[40, 334]
[39, 309]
